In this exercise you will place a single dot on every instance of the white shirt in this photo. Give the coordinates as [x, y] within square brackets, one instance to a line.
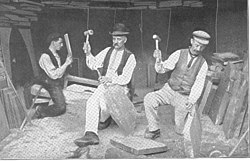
[94, 62]
[49, 68]
[198, 85]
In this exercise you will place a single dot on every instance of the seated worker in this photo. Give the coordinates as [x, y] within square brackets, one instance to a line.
[51, 77]
[117, 65]
[184, 87]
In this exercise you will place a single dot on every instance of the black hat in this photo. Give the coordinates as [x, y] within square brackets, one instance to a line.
[119, 29]
[53, 36]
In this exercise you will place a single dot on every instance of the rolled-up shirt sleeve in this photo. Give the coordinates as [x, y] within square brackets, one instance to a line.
[127, 72]
[168, 64]
[49, 68]
[95, 62]
[198, 85]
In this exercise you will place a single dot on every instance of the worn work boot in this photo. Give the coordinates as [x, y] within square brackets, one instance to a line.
[152, 134]
[90, 138]
[105, 124]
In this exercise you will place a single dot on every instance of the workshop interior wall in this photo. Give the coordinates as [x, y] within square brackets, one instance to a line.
[143, 24]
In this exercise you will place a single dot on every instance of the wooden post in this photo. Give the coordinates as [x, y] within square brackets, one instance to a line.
[26, 34]
[5, 44]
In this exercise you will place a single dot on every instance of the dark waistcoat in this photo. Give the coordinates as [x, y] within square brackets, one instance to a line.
[183, 78]
[45, 80]
[123, 62]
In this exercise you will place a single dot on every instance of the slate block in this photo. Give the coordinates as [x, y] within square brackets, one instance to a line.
[222, 95]
[138, 145]
[121, 109]
[209, 100]
[239, 92]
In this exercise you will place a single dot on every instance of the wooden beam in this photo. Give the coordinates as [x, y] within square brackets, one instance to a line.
[16, 18]
[82, 80]
[29, 2]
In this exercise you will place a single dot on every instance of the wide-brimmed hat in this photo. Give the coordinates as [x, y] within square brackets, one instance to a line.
[119, 29]
[201, 37]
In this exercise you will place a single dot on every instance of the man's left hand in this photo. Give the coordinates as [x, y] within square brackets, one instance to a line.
[105, 80]
[189, 106]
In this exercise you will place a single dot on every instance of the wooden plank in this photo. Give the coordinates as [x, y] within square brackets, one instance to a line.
[23, 24]
[138, 145]
[32, 18]
[240, 88]
[16, 18]
[15, 109]
[3, 79]
[29, 2]
[121, 109]
[209, 100]
[23, 12]
[82, 80]
[222, 95]
[8, 6]
[35, 9]
[6, 103]
[4, 127]
[10, 113]
[205, 95]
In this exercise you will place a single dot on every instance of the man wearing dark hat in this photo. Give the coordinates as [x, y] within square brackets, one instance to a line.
[184, 87]
[51, 77]
[116, 65]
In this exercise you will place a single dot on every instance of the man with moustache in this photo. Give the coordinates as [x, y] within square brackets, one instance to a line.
[184, 87]
[116, 65]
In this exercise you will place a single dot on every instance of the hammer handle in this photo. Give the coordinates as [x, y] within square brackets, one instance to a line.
[157, 44]
[87, 38]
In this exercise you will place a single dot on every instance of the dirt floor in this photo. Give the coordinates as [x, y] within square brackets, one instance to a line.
[52, 138]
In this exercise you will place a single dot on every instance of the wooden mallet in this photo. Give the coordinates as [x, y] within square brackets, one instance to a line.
[87, 33]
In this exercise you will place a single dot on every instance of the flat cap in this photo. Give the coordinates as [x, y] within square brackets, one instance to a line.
[201, 36]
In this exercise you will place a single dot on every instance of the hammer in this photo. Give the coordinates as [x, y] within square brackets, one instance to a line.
[157, 40]
[87, 33]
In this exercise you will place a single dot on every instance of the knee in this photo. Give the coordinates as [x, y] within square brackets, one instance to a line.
[150, 100]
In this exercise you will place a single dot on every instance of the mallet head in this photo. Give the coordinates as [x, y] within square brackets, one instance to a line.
[156, 37]
[88, 32]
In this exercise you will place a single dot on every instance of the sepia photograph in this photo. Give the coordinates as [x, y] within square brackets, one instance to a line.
[124, 79]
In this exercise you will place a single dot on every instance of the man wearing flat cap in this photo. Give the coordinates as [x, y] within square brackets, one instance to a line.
[51, 77]
[116, 65]
[184, 87]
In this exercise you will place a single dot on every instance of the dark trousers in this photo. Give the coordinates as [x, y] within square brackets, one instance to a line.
[57, 96]
[59, 106]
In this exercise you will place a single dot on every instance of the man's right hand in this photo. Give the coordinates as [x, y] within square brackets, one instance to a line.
[69, 60]
[87, 48]
[157, 55]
